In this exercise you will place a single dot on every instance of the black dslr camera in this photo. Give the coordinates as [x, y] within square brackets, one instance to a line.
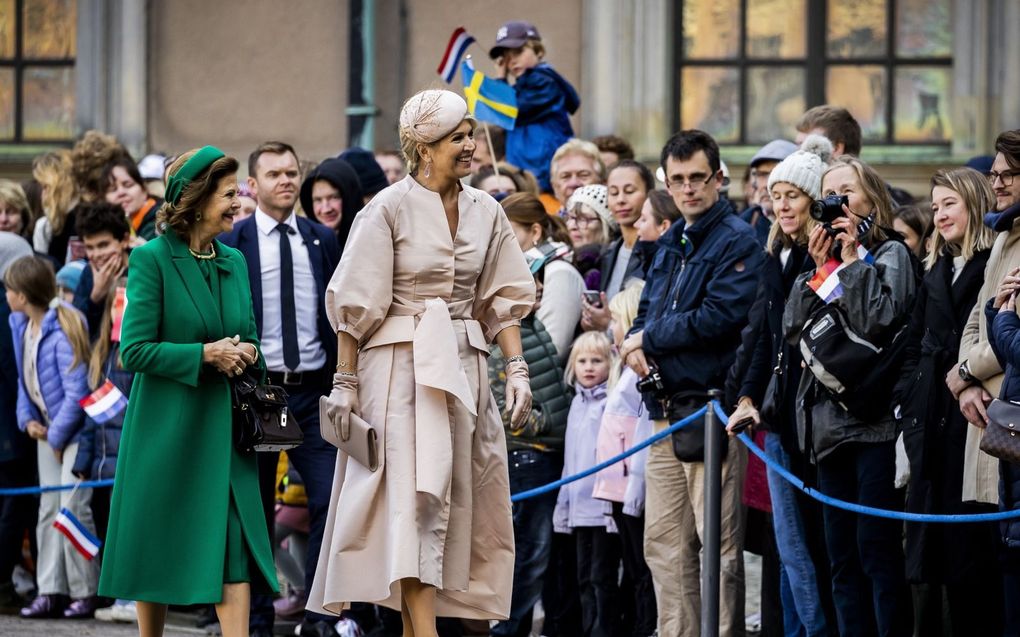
[652, 383]
[827, 210]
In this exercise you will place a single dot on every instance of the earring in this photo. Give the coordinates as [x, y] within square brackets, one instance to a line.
[428, 169]
[198, 216]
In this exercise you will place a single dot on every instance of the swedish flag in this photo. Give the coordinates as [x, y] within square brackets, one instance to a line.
[488, 100]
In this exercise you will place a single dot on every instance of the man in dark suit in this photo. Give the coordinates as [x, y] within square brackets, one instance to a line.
[290, 261]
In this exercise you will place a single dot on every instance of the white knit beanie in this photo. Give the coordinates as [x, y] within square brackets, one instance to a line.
[804, 168]
[596, 197]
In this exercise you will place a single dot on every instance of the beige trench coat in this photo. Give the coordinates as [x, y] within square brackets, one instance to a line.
[424, 307]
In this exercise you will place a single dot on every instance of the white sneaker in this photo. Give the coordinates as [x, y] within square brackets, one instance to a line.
[104, 614]
[347, 627]
[126, 612]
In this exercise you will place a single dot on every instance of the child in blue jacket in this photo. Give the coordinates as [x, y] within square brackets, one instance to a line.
[51, 348]
[545, 100]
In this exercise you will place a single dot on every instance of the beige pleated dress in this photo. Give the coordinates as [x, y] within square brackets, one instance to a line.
[424, 307]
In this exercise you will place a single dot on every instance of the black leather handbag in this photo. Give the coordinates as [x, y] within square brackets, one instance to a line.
[262, 420]
[689, 442]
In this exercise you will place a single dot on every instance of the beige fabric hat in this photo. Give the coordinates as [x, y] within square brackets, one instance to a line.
[431, 114]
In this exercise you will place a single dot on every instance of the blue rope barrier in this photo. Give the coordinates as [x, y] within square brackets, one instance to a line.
[55, 487]
[552, 486]
[860, 508]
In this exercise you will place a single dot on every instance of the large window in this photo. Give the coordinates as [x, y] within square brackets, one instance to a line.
[749, 68]
[37, 85]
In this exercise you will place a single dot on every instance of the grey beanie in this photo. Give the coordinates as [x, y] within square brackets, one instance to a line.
[804, 168]
[12, 248]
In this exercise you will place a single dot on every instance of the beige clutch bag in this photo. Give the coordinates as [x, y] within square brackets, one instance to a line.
[361, 442]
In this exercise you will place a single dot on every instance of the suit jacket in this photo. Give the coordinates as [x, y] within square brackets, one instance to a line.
[324, 255]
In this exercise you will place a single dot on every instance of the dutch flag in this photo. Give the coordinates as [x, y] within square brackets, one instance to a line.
[459, 42]
[105, 403]
[86, 543]
[826, 283]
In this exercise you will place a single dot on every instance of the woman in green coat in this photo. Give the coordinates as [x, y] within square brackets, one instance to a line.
[186, 522]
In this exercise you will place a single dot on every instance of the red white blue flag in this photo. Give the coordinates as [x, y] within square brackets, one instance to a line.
[105, 403]
[826, 283]
[85, 542]
[459, 42]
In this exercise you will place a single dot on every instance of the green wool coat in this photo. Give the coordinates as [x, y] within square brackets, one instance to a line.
[177, 468]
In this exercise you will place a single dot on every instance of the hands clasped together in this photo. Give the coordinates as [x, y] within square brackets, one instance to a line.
[229, 355]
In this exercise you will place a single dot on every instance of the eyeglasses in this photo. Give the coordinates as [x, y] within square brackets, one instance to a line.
[696, 182]
[580, 221]
[1006, 176]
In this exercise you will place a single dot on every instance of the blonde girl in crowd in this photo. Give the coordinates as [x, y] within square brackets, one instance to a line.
[623, 415]
[51, 347]
[577, 511]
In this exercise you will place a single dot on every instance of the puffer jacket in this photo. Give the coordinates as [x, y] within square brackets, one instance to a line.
[62, 385]
[1004, 338]
[696, 300]
[878, 299]
[616, 435]
[545, 102]
[550, 396]
[575, 506]
[99, 443]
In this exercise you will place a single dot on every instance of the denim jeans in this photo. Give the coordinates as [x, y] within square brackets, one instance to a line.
[866, 553]
[802, 608]
[533, 531]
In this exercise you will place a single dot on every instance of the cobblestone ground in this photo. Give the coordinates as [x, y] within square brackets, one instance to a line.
[178, 624]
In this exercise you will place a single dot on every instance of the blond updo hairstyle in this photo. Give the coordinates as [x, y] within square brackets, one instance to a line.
[409, 149]
[182, 216]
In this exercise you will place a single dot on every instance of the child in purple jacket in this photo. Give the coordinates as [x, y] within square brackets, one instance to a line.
[51, 347]
[577, 511]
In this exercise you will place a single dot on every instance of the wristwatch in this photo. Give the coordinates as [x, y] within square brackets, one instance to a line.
[964, 371]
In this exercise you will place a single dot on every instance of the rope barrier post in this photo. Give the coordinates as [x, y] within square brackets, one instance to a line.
[713, 521]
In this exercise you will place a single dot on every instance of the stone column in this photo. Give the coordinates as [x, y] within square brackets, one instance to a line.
[626, 74]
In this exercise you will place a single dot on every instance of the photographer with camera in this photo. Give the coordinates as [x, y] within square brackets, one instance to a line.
[698, 293]
[849, 330]
[768, 386]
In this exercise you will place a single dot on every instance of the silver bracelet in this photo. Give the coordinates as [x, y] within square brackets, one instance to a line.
[347, 374]
[514, 359]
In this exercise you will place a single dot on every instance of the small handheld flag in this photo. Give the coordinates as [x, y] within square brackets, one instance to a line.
[119, 305]
[826, 283]
[105, 403]
[488, 100]
[86, 543]
[459, 42]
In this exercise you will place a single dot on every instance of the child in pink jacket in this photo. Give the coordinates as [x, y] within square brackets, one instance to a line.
[620, 420]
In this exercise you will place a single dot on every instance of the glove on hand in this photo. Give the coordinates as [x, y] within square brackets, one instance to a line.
[518, 393]
[342, 402]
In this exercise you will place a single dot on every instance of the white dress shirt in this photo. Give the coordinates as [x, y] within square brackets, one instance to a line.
[306, 302]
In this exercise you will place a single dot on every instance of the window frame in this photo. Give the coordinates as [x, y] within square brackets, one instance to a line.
[815, 68]
[19, 63]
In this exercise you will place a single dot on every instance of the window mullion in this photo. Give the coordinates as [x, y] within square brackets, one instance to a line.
[814, 65]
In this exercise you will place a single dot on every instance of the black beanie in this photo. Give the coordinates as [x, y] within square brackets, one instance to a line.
[371, 175]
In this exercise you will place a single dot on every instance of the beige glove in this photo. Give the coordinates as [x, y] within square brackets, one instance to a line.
[342, 402]
[518, 393]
